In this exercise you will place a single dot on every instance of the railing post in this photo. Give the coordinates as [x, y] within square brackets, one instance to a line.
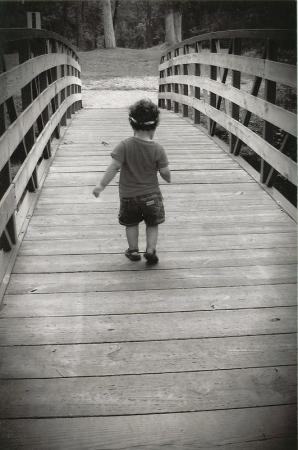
[177, 85]
[197, 116]
[169, 88]
[213, 76]
[236, 83]
[270, 96]
[53, 76]
[33, 20]
[41, 48]
[27, 98]
[185, 90]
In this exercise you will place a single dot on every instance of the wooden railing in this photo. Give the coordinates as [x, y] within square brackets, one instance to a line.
[206, 78]
[40, 88]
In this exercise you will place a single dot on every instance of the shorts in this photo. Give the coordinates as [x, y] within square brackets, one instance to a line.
[147, 207]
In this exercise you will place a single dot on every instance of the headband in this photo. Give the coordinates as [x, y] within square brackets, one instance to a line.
[151, 122]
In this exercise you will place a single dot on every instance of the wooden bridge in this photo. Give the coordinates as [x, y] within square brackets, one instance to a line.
[198, 352]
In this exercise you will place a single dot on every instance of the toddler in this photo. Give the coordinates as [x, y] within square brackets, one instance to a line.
[139, 158]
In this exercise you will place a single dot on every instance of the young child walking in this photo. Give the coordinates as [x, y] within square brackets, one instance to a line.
[139, 158]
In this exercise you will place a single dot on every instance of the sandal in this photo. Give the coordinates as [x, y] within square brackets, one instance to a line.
[133, 255]
[151, 258]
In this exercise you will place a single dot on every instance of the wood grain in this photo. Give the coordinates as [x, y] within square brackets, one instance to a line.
[196, 352]
[62, 361]
[262, 428]
[143, 394]
[157, 300]
[115, 244]
[144, 327]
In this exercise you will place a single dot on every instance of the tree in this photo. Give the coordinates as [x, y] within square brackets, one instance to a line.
[178, 25]
[79, 22]
[173, 22]
[170, 27]
[109, 34]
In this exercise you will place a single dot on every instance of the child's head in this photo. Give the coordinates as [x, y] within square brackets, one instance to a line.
[144, 115]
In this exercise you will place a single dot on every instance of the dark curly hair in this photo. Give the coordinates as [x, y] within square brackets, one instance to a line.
[144, 115]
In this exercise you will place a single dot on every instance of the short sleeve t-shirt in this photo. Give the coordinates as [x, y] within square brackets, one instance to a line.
[140, 162]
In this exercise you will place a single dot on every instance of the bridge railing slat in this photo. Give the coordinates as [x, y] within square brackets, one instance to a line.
[23, 175]
[37, 96]
[262, 108]
[202, 78]
[19, 76]
[271, 70]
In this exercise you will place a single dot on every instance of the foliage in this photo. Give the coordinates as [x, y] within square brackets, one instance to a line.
[140, 23]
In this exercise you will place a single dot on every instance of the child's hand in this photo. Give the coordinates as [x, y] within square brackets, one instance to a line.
[97, 190]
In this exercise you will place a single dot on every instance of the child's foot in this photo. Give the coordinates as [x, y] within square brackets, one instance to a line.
[133, 255]
[151, 258]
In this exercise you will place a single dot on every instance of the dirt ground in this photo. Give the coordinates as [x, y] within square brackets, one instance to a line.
[117, 78]
[114, 99]
[118, 92]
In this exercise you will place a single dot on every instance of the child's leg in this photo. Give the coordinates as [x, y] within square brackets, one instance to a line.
[151, 236]
[132, 235]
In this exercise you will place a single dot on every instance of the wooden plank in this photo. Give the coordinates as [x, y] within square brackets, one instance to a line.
[187, 243]
[98, 218]
[282, 163]
[130, 358]
[7, 207]
[17, 130]
[149, 279]
[146, 327]
[147, 394]
[270, 70]
[76, 168]
[19, 34]
[35, 233]
[274, 114]
[26, 169]
[170, 260]
[168, 190]
[262, 428]
[157, 300]
[184, 177]
[280, 35]
[17, 77]
[241, 205]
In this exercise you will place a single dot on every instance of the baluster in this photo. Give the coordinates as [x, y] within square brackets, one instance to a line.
[27, 98]
[168, 89]
[185, 90]
[41, 48]
[213, 76]
[236, 83]
[270, 96]
[197, 118]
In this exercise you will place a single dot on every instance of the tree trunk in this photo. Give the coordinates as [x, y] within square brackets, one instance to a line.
[115, 13]
[109, 34]
[178, 25]
[170, 27]
[79, 22]
[149, 37]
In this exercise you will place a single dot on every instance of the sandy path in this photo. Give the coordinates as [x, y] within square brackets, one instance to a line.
[118, 92]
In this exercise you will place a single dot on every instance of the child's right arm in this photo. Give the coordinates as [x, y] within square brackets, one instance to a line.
[165, 173]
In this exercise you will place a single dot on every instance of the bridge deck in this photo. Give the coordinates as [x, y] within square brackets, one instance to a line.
[198, 352]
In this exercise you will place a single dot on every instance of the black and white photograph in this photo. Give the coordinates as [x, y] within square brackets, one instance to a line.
[148, 225]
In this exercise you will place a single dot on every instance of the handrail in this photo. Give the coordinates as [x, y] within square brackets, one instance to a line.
[21, 34]
[205, 78]
[37, 96]
[281, 35]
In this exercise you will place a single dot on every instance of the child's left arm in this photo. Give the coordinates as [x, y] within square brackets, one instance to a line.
[108, 176]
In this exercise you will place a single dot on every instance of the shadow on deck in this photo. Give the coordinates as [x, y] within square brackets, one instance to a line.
[198, 352]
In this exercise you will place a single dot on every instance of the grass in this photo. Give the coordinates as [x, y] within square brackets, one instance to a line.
[120, 62]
